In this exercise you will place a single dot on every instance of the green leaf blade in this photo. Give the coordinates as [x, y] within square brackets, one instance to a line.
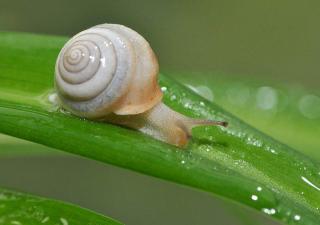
[18, 208]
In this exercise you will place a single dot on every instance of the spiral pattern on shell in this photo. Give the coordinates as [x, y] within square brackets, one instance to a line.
[96, 67]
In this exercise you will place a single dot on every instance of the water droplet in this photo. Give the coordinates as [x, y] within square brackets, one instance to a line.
[206, 148]
[267, 98]
[210, 137]
[183, 162]
[273, 151]
[259, 188]
[46, 219]
[173, 97]
[53, 98]
[254, 141]
[270, 149]
[238, 94]
[297, 217]
[309, 106]
[254, 197]
[163, 89]
[202, 103]
[64, 221]
[269, 211]
[187, 105]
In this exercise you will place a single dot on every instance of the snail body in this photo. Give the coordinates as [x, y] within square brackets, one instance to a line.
[109, 73]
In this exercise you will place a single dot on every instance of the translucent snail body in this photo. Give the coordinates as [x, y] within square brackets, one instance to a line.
[109, 73]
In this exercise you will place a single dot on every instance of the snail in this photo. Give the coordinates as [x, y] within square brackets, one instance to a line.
[109, 73]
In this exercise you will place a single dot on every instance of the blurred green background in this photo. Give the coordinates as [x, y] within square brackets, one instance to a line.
[273, 39]
[276, 41]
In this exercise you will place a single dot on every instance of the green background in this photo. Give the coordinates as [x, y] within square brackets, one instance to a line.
[271, 40]
[274, 39]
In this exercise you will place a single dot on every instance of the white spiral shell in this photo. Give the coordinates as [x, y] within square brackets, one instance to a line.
[106, 69]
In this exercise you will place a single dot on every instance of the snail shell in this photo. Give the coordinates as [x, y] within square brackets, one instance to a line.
[109, 72]
[98, 70]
